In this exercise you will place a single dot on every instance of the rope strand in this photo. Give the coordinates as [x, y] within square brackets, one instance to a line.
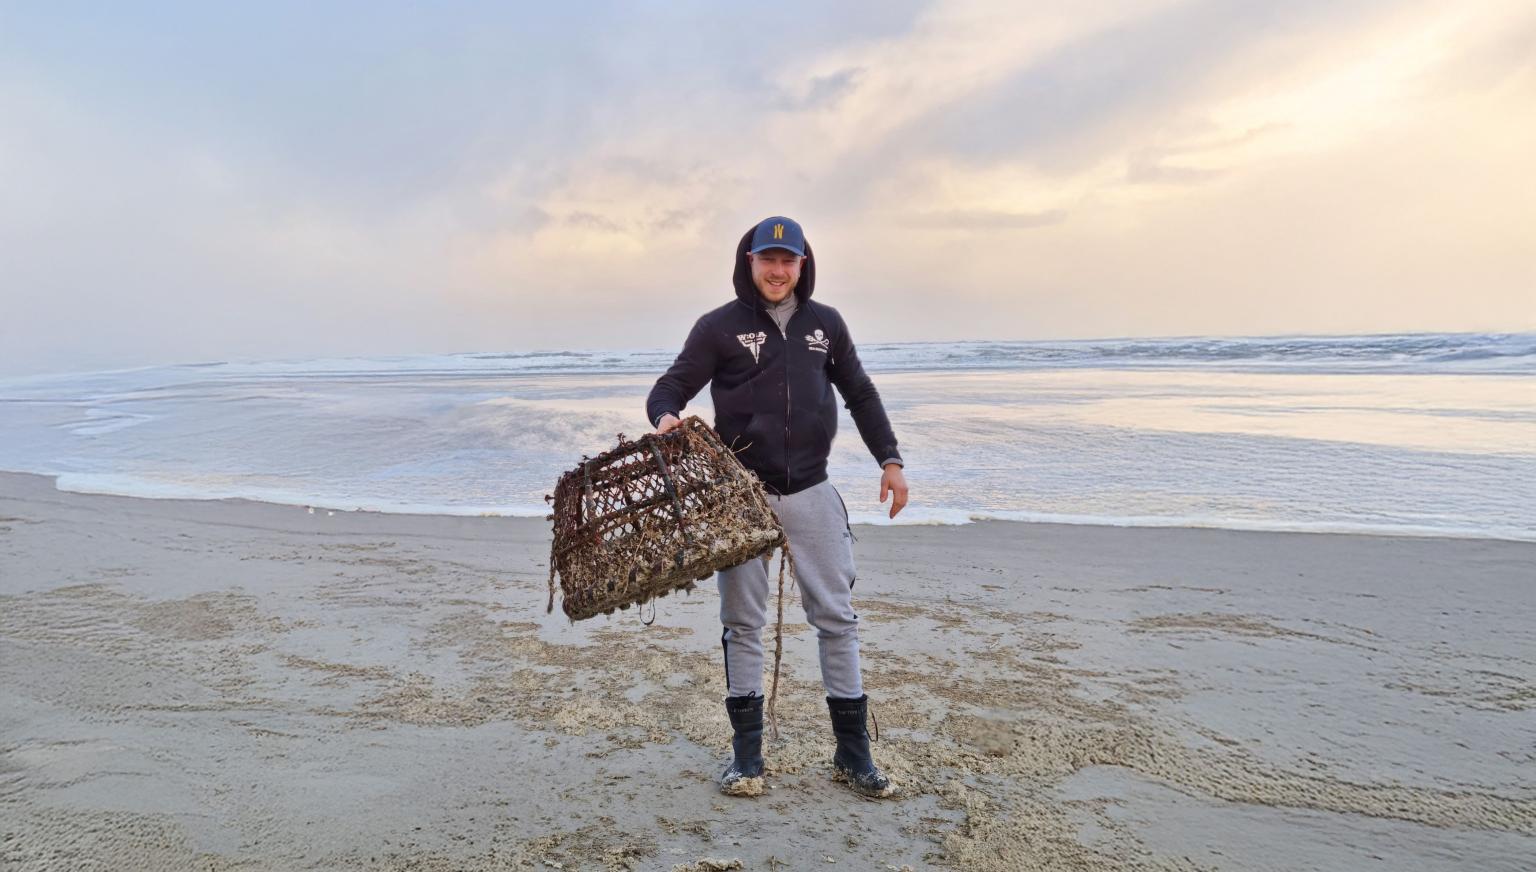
[787, 557]
[550, 606]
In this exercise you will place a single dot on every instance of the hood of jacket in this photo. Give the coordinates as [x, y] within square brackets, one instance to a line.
[747, 292]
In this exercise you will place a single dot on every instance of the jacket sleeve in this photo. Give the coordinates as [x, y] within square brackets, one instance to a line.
[859, 394]
[689, 373]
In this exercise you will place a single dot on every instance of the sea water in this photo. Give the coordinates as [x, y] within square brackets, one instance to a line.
[1418, 434]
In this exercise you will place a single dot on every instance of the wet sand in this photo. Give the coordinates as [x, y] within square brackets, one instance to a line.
[236, 685]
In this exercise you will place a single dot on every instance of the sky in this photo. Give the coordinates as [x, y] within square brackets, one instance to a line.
[198, 182]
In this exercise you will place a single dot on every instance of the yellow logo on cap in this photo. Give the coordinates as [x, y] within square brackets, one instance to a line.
[778, 231]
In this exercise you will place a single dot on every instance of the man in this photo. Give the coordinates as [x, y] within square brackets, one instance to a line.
[771, 358]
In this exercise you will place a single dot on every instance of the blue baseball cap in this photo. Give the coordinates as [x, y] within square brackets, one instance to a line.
[778, 232]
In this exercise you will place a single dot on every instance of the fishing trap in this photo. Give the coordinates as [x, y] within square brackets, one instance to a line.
[651, 516]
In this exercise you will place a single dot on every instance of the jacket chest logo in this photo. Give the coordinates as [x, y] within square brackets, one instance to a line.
[818, 342]
[753, 342]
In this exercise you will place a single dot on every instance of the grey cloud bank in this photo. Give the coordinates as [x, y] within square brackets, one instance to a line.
[186, 182]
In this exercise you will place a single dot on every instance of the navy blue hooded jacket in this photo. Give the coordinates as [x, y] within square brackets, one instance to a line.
[773, 395]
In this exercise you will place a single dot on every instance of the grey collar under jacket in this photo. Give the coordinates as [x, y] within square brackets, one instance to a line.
[782, 311]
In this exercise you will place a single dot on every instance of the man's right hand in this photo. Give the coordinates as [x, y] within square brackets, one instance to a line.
[667, 422]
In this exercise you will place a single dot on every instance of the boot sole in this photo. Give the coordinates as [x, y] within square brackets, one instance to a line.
[890, 792]
[750, 786]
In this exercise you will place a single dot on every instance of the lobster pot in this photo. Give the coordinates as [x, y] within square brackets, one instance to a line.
[651, 516]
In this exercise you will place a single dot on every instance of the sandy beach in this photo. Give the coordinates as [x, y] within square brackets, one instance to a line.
[239, 685]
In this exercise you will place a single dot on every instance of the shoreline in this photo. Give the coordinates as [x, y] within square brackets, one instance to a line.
[237, 685]
[1139, 523]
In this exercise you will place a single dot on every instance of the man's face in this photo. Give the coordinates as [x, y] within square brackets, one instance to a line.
[775, 271]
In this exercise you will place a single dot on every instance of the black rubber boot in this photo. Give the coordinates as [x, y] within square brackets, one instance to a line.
[744, 777]
[852, 758]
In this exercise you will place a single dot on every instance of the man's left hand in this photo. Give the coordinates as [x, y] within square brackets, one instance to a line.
[893, 483]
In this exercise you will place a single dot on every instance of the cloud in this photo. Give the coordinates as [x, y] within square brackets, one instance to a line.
[821, 92]
[238, 185]
[980, 219]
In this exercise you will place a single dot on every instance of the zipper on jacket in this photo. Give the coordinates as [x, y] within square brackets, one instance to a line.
[788, 482]
[786, 417]
[784, 335]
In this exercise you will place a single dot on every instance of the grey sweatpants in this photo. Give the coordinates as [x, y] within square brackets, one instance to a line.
[817, 525]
